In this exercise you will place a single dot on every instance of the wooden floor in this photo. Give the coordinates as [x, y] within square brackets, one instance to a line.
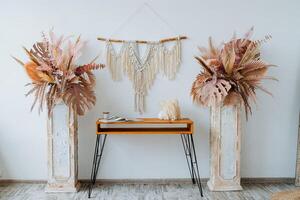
[26, 191]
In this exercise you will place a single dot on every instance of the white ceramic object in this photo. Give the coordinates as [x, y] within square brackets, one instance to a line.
[225, 147]
[62, 150]
[169, 110]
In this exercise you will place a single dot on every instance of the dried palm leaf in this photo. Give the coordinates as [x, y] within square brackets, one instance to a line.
[210, 92]
[249, 33]
[18, 61]
[79, 96]
[252, 53]
[45, 77]
[51, 97]
[233, 98]
[204, 65]
[228, 58]
[212, 49]
[257, 74]
[197, 85]
[31, 56]
[39, 94]
[253, 65]
[32, 72]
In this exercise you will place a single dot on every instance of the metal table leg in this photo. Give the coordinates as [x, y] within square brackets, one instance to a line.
[191, 158]
[100, 142]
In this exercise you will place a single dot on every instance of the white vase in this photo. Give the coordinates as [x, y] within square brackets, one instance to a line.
[62, 150]
[225, 147]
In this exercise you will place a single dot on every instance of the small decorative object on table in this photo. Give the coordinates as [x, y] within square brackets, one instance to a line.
[114, 119]
[67, 89]
[169, 110]
[231, 74]
[105, 115]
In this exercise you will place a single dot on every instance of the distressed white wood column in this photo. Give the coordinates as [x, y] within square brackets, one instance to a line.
[62, 150]
[225, 147]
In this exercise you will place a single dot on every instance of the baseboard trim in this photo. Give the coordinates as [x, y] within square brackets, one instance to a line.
[258, 180]
[143, 181]
[2, 181]
[262, 180]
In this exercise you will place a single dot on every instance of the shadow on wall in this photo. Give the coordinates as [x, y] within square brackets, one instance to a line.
[297, 105]
[2, 167]
[297, 88]
[87, 128]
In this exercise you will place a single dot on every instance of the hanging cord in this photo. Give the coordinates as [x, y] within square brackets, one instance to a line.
[131, 16]
[161, 18]
[128, 19]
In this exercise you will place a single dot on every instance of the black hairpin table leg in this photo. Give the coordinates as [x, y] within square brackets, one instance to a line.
[100, 142]
[191, 158]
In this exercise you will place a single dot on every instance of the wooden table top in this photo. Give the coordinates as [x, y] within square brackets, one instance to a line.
[188, 129]
[150, 121]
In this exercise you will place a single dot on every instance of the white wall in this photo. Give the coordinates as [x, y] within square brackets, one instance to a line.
[269, 137]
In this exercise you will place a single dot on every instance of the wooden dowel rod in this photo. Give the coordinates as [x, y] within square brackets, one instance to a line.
[172, 39]
[144, 41]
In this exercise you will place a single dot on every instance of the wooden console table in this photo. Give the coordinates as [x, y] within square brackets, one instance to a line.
[185, 131]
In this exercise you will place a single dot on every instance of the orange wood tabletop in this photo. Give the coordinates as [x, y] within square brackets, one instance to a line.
[125, 128]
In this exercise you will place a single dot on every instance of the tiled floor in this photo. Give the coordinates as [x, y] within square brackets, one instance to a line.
[23, 191]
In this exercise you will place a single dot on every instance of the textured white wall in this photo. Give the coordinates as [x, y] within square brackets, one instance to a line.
[269, 137]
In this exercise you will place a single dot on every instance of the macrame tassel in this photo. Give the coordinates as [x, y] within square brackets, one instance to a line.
[114, 61]
[170, 60]
[139, 103]
[140, 91]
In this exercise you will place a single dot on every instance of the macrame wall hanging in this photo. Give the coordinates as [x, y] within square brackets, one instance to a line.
[142, 71]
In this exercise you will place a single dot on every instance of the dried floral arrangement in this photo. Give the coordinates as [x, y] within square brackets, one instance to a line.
[231, 72]
[56, 77]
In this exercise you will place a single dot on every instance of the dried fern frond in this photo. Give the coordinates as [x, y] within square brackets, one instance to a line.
[264, 40]
[88, 67]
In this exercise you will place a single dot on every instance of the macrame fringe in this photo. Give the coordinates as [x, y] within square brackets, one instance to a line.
[142, 72]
